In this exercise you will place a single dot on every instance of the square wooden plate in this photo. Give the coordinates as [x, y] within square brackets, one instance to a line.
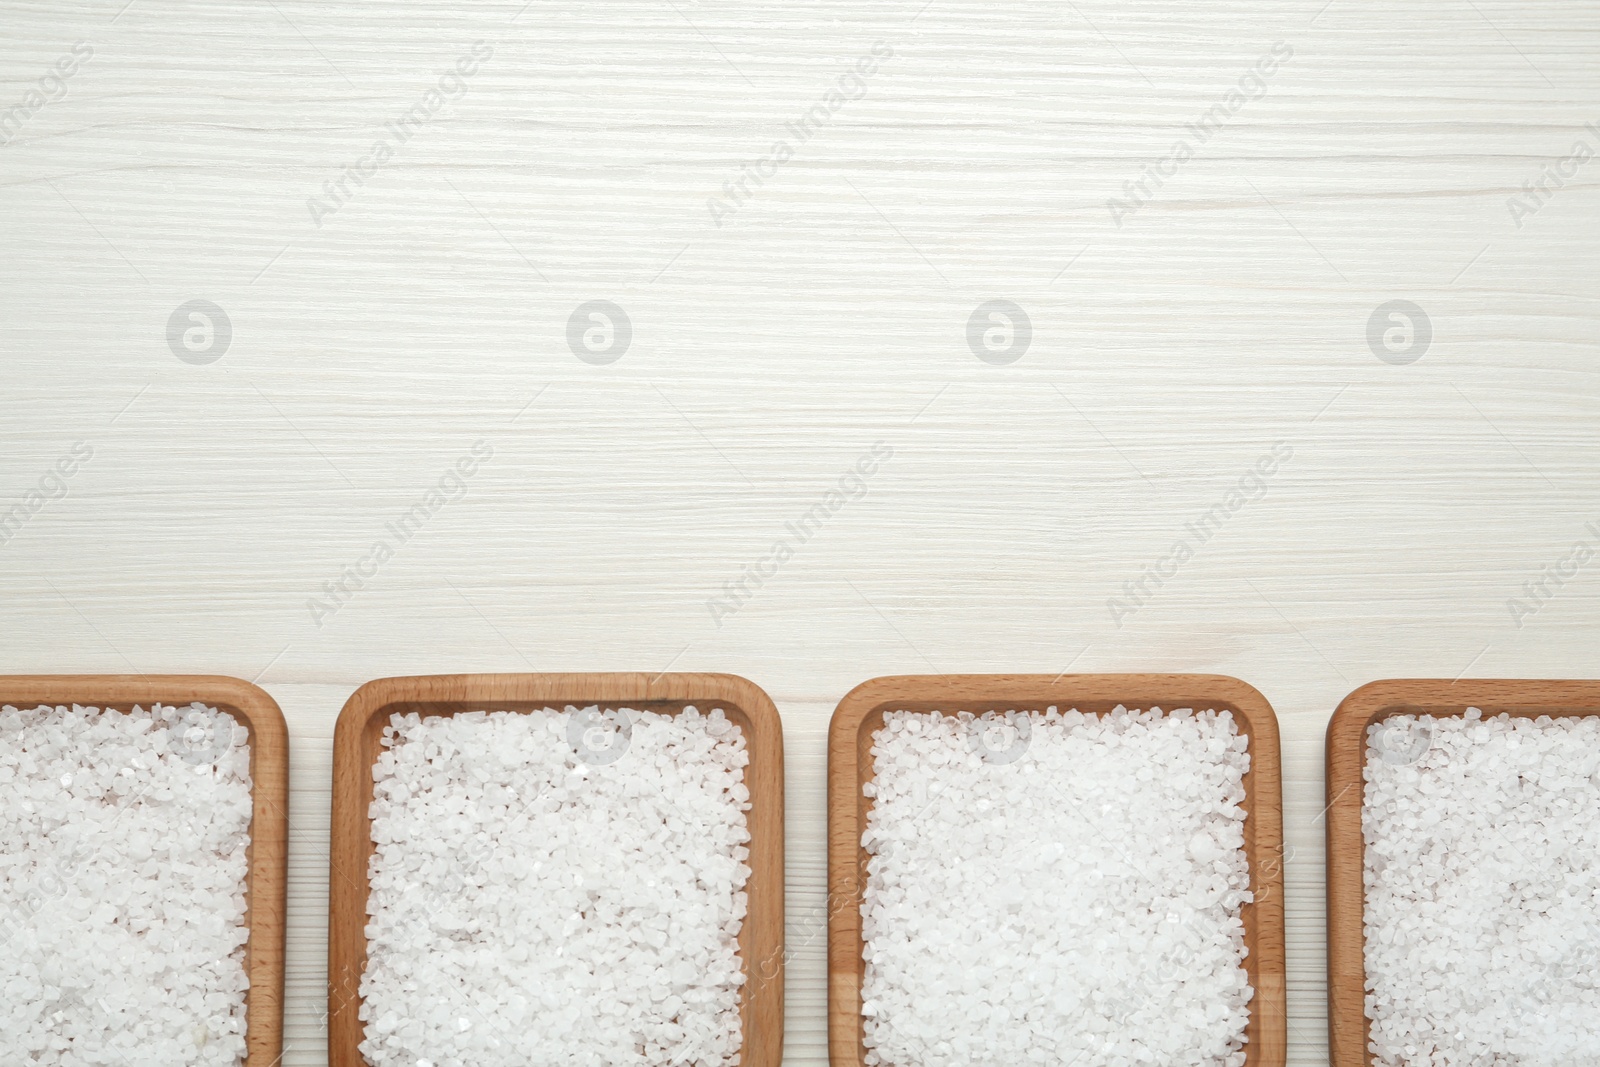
[268, 852]
[1346, 756]
[861, 713]
[357, 744]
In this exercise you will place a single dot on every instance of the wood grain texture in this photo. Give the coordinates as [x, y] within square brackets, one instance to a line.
[357, 744]
[1346, 759]
[860, 715]
[267, 855]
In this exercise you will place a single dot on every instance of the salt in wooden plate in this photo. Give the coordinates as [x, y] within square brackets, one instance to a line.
[860, 715]
[268, 852]
[357, 744]
[1348, 1026]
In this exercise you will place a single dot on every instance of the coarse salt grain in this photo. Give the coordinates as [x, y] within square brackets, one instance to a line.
[123, 841]
[1482, 889]
[1056, 888]
[557, 887]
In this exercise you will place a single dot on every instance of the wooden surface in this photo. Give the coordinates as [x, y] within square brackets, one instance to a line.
[268, 853]
[1346, 756]
[860, 714]
[768, 354]
[357, 745]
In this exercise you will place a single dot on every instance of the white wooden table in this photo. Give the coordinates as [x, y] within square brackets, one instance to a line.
[386, 308]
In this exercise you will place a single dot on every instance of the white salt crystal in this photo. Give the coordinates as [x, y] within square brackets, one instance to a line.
[1048, 888]
[123, 844]
[557, 887]
[1482, 880]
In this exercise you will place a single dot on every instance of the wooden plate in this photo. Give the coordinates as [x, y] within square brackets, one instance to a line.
[356, 746]
[1346, 756]
[269, 822]
[860, 714]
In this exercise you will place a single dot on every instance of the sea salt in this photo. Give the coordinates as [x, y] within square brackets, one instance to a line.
[123, 842]
[557, 887]
[1056, 888]
[1482, 879]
